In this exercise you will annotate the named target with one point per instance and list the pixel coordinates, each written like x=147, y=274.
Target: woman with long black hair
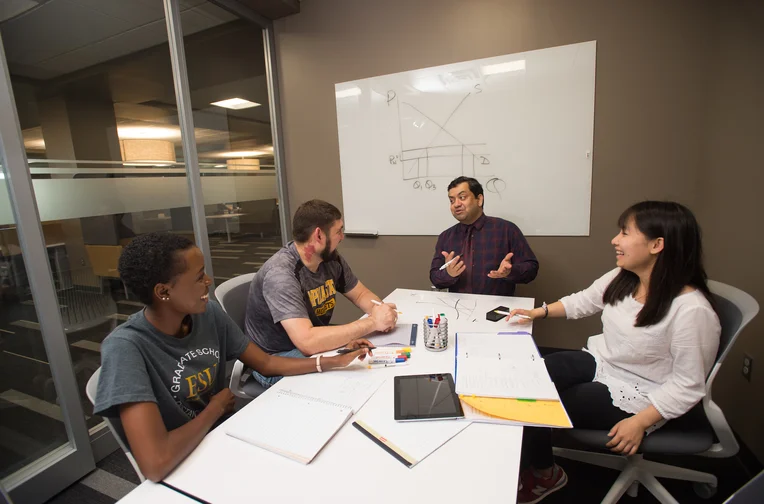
x=660, y=336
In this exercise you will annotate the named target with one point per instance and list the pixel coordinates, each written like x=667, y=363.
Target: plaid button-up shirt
x=492, y=239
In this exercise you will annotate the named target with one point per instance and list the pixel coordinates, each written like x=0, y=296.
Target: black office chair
x=692, y=434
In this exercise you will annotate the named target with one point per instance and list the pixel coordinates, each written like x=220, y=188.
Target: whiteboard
x=522, y=124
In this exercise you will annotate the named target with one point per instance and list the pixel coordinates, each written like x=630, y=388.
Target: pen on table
x=380, y=304
x=348, y=350
x=447, y=263
x=374, y=366
x=501, y=312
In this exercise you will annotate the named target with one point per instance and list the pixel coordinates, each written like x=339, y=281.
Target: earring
x=166, y=298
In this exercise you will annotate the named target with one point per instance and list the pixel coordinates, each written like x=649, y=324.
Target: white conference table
x=226, y=218
x=155, y=493
x=481, y=462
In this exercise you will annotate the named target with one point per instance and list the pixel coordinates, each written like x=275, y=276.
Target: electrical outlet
x=747, y=366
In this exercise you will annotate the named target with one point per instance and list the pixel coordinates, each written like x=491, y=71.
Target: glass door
x=44, y=444
x=99, y=147
x=92, y=156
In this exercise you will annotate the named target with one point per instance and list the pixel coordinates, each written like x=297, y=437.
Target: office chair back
x=114, y=424
x=232, y=295
x=736, y=309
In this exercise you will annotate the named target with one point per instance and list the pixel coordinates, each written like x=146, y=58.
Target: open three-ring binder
x=298, y=421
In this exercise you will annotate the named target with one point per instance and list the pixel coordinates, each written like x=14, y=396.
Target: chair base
x=635, y=471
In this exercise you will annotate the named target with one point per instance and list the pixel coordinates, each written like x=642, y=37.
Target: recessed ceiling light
x=235, y=103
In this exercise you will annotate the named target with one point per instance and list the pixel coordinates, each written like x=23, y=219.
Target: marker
x=393, y=354
x=447, y=263
x=501, y=312
x=380, y=304
x=374, y=366
x=393, y=349
x=386, y=360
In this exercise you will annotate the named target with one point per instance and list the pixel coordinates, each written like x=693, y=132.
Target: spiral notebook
x=290, y=424
x=298, y=421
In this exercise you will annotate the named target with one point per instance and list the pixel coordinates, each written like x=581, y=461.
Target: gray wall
x=664, y=129
x=732, y=206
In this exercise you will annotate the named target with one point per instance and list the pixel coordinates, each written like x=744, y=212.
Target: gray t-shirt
x=284, y=289
x=141, y=364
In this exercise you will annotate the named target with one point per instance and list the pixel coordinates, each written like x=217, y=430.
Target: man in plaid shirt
x=487, y=255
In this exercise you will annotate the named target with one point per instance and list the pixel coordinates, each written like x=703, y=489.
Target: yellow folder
x=550, y=413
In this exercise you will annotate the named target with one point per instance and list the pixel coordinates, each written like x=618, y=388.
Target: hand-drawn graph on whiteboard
x=521, y=124
x=445, y=155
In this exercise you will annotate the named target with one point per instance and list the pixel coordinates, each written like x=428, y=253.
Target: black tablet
x=426, y=397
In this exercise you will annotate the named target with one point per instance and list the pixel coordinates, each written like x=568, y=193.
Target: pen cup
x=435, y=335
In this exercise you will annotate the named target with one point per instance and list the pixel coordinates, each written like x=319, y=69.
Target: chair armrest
x=727, y=445
x=238, y=370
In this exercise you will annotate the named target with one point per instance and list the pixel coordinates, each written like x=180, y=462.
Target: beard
x=326, y=255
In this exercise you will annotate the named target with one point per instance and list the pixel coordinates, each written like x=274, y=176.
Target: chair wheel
x=704, y=490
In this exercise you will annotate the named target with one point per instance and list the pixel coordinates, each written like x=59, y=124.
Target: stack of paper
x=514, y=412
x=501, y=378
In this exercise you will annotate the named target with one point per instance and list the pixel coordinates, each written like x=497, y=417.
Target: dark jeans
x=268, y=381
x=588, y=404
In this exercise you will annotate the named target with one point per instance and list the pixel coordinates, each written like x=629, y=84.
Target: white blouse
x=665, y=364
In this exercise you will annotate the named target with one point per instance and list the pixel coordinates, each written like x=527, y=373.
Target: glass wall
x=229, y=95
x=31, y=422
x=101, y=133
x=94, y=90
